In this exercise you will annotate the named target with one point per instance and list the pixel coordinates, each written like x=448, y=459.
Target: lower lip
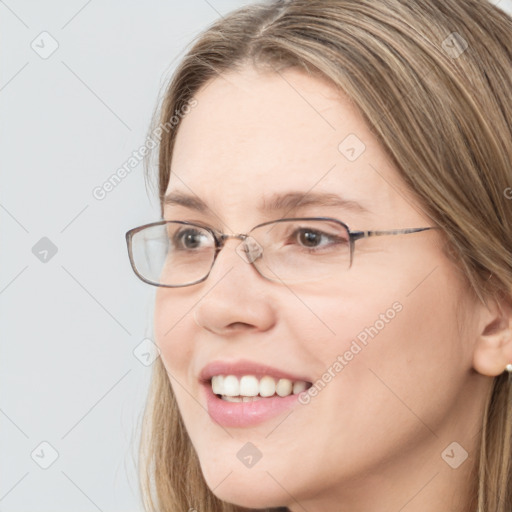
x=246, y=414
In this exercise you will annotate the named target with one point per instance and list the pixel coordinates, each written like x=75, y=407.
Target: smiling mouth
x=249, y=388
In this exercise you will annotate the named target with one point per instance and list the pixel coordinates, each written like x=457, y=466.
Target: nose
x=238, y=297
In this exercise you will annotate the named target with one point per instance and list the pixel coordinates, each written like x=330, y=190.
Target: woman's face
x=396, y=385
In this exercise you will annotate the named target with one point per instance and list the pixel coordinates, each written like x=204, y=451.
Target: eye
x=314, y=238
x=310, y=238
x=190, y=239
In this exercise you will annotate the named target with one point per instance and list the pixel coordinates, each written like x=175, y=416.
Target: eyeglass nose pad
x=249, y=250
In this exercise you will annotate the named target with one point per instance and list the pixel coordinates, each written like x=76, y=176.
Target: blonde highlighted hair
x=433, y=79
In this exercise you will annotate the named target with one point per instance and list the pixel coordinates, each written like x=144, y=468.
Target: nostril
x=240, y=325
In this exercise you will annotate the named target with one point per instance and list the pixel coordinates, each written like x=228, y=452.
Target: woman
x=350, y=351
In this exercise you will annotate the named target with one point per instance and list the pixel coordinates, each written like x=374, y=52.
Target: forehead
x=256, y=122
x=253, y=133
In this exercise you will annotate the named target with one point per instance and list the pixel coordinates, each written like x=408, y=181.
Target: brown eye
x=310, y=238
x=190, y=239
x=316, y=239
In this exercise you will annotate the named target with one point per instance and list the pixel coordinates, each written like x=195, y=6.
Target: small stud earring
x=509, y=368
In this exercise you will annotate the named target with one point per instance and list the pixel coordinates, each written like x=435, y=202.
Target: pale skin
x=373, y=439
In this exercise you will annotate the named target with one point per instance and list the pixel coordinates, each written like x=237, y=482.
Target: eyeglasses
x=178, y=253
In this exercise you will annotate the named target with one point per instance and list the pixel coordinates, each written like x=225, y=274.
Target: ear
x=493, y=348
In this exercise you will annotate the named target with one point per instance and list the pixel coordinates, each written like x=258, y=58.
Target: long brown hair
x=433, y=79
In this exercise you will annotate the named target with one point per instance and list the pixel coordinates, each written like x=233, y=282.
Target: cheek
x=175, y=331
x=174, y=325
x=414, y=361
x=392, y=367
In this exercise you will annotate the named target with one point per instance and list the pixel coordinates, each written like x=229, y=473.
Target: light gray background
x=69, y=326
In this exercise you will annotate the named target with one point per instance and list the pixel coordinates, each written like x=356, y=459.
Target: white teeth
x=248, y=388
x=299, y=386
x=267, y=386
x=249, y=385
x=231, y=386
x=240, y=398
x=284, y=387
x=231, y=398
x=217, y=385
x=250, y=398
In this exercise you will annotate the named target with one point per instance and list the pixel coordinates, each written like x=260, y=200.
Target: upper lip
x=245, y=367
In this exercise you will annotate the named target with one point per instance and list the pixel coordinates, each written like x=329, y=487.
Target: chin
x=250, y=497
x=244, y=487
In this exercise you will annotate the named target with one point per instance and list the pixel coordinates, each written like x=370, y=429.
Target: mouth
x=245, y=400
x=242, y=393
x=251, y=388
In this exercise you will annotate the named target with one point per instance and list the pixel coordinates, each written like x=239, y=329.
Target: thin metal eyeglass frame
x=221, y=238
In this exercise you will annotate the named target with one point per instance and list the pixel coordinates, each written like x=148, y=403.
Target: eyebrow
x=293, y=201
x=185, y=200
x=278, y=203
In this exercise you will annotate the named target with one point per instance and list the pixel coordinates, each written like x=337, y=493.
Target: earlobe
x=492, y=357
x=493, y=349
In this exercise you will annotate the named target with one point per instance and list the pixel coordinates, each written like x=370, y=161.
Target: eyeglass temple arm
x=356, y=235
